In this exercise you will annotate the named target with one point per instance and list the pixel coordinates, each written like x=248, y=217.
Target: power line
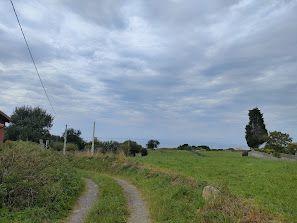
x=32, y=58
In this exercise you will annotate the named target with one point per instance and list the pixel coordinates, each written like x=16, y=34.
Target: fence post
x=93, y=139
x=65, y=141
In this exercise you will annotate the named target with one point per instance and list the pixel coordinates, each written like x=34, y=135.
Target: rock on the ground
x=210, y=192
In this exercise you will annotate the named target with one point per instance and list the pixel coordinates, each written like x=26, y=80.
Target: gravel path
x=84, y=203
x=138, y=209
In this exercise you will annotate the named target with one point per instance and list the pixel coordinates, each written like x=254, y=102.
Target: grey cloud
x=183, y=66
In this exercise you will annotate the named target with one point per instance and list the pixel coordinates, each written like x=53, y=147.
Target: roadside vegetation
x=269, y=184
x=35, y=185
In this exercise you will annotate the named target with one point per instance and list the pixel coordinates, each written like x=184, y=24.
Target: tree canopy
x=28, y=123
x=256, y=133
x=152, y=144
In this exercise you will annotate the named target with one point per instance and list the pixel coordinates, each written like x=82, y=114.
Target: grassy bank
x=111, y=206
x=35, y=185
x=171, y=197
x=272, y=184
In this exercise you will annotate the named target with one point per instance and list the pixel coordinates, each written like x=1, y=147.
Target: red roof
x=4, y=117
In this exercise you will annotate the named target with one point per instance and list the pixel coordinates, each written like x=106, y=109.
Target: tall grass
x=35, y=185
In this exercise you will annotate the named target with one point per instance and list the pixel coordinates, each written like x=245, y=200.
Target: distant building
x=3, y=119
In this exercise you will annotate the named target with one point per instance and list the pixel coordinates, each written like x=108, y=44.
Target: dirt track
x=138, y=209
x=84, y=203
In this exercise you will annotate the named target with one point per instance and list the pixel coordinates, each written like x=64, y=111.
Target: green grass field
x=172, y=197
x=171, y=181
x=271, y=184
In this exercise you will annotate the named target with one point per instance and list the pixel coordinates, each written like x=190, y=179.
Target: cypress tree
x=255, y=132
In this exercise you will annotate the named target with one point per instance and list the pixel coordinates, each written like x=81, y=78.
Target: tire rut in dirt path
x=84, y=203
x=138, y=209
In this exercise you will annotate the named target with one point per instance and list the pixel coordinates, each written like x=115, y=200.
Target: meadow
x=269, y=184
x=171, y=182
x=172, y=197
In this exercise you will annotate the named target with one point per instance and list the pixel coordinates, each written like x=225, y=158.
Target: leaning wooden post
x=65, y=141
x=93, y=139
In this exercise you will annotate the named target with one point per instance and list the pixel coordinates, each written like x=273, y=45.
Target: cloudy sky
x=179, y=71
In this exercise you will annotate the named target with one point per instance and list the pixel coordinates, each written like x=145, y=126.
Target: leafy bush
x=278, y=141
x=131, y=147
x=74, y=136
x=144, y=152
x=189, y=147
x=184, y=147
x=104, y=146
x=292, y=148
x=58, y=146
x=110, y=146
x=267, y=150
x=36, y=185
x=207, y=148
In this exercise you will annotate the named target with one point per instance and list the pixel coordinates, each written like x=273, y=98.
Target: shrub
x=267, y=150
x=58, y=146
x=278, y=141
x=184, y=147
x=292, y=148
x=33, y=179
x=131, y=147
x=144, y=152
x=110, y=146
x=207, y=148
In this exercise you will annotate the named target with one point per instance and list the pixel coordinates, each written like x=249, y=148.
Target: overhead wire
x=32, y=58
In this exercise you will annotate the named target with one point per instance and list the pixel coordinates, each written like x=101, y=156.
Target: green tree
x=74, y=136
x=152, y=144
x=28, y=123
x=255, y=132
x=278, y=141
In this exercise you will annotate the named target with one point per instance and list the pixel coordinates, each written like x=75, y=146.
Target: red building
x=3, y=119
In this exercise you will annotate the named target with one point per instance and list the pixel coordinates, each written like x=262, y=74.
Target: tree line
x=33, y=123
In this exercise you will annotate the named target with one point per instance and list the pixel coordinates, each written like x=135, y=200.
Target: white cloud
x=167, y=68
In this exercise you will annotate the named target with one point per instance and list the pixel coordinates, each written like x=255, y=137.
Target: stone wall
x=262, y=155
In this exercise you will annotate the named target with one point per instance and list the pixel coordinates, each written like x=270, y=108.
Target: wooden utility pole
x=93, y=139
x=65, y=141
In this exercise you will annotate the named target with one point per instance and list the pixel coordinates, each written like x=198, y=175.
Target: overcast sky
x=179, y=71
